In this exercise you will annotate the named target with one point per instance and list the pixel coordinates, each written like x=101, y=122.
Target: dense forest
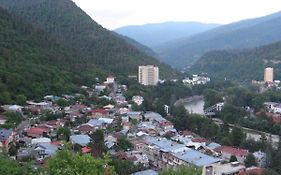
x=94, y=44
x=241, y=65
x=50, y=47
x=32, y=63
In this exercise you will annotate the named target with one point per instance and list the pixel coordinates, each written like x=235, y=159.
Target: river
x=196, y=106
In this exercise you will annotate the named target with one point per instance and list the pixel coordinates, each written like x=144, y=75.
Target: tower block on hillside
x=148, y=75
x=268, y=75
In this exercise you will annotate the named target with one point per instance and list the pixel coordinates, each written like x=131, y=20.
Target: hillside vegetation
x=32, y=63
x=241, y=65
x=53, y=46
x=240, y=35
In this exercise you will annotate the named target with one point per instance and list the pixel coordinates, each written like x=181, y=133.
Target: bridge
x=211, y=111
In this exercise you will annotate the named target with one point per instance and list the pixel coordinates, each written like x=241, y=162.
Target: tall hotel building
x=268, y=75
x=148, y=75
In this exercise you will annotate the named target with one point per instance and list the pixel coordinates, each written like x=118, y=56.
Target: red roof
x=166, y=123
x=232, y=151
x=37, y=130
x=78, y=107
x=86, y=150
x=75, y=113
x=256, y=170
x=275, y=118
x=85, y=128
x=199, y=140
x=56, y=143
x=99, y=111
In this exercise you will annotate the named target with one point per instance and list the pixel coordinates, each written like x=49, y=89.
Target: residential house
x=45, y=150
x=138, y=100
x=260, y=158
x=37, y=132
x=110, y=80
x=146, y=172
x=135, y=115
x=166, y=125
x=97, y=124
x=41, y=140
x=232, y=168
x=100, y=88
x=6, y=137
x=85, y=129
x=2, y=119
x=252, y=170
x=99, y=113
x=190, y=156
x=227, y=151
x=81, y=139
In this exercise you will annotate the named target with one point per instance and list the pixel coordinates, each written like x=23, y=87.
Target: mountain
x=33, y=63
x=244, y=34
x=142, y=48
x=94, y=45
x=241, y=65
x=156, y=34
x=53, y=47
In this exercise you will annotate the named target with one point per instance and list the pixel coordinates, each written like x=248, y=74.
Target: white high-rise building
x=268, y=75
x=148, y=75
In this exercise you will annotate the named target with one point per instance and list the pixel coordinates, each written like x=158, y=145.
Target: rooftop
x=146, y=172
x=196, y=157
x=164, y=144
x=5, y=134
x=82, y=140
x=232, y=150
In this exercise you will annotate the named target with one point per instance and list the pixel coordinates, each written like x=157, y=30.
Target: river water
x=195, y=106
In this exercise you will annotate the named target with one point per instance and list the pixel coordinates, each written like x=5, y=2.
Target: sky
x=112, y=14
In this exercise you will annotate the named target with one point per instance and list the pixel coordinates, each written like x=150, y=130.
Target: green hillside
x=32, y=63
x=241, y=65
x=240, y=35
x=95, y=45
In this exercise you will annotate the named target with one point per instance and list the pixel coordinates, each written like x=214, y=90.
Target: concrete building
x=224, y=169
x=148, y=75
x=268, y=75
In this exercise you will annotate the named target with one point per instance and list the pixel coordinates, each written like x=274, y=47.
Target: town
x=38, y=130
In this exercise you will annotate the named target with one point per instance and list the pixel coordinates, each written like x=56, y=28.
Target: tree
x=211, y=97
x=65, y=163
x=13, y=150
x=11, y=167
x=124, y=144
x=97, y=144
x=250, y=160
x=62, y=102
x=125, y=166
x=21, y=99
x=233, y=158
x=184, y=170
x=237, y=136
x=63, y=133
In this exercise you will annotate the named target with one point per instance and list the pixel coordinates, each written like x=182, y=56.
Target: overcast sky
x=112, y=14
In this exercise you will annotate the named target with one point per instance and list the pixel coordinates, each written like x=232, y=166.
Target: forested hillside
x=241, y=65
x=94, y=44
x=240, y=35
x=32, y=63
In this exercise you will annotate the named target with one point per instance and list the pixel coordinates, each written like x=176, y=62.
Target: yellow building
x=148, y=75
x=268, y=75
